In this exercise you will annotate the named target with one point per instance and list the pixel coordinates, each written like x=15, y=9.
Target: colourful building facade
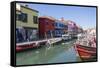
x=46, y=27
x=60, y=28
x=72, y=27
x=50, y=27
x=26, y=24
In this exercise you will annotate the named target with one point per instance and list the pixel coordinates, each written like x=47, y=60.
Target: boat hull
x=86, y=53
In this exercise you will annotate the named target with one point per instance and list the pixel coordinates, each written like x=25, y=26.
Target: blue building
x=59, y=28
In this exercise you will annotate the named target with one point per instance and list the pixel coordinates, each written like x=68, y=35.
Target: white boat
x=66, y=37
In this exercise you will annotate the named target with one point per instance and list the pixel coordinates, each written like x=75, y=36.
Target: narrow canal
x=57, y=53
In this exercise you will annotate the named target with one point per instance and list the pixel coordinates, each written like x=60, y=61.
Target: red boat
x=28, y=45
x=86, y=45
x=25, y=46
x=86, y=52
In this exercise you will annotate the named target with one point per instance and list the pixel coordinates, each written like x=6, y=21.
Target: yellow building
x=26, y=23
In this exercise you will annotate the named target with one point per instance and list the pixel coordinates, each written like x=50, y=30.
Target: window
x=35, y=19
x=21, y=17
x=18, y=17
x=24, y=17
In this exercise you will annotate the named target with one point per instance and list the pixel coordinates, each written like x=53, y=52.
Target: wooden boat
x=86, y=45
x=86, y=52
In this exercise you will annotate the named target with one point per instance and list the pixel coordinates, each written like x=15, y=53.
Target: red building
x=46, y=27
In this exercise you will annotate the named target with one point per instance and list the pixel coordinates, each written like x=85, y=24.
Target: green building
x=26, y=23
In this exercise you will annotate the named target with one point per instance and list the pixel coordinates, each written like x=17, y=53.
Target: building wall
x=59, y=24
x=30, y=13
x=26, y=30
x=46, y=27
x=72, y=28
x=60, y=28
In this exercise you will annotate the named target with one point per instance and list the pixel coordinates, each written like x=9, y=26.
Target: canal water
x=56, y=53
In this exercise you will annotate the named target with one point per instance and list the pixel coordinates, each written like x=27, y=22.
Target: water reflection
x=57, y=53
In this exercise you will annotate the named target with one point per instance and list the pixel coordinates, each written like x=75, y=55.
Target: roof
x=29, y=8
x=48, y=17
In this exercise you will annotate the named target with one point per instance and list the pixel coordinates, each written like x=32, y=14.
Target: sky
x=82, y=16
